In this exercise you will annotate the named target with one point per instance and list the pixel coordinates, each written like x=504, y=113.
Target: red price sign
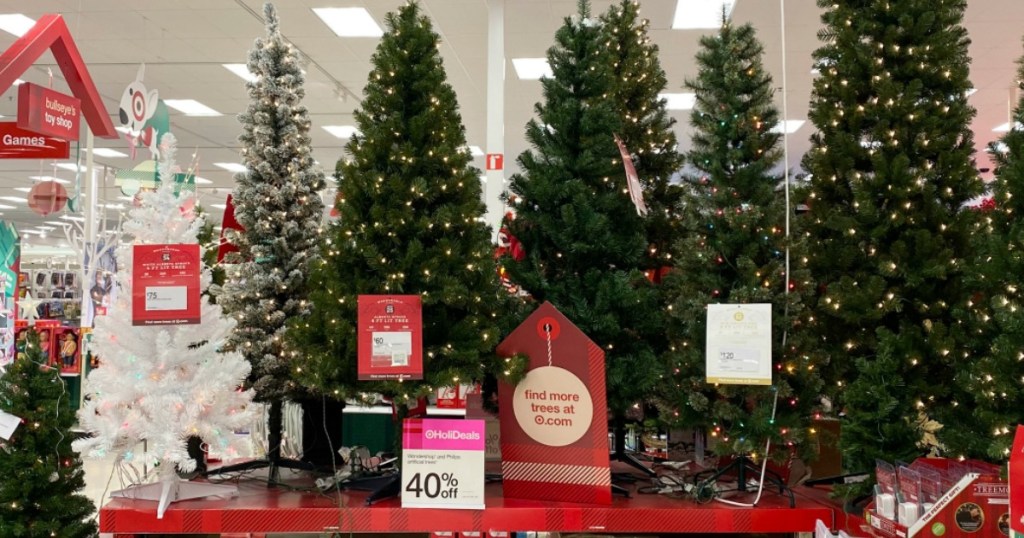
x=165, y=284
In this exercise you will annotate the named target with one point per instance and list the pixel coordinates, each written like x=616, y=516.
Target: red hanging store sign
x=47, y=112
x=17, y=143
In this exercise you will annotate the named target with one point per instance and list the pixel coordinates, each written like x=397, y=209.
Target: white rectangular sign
x=443, y=463
x=8, y=423
x=166, y=298
x=739, y=344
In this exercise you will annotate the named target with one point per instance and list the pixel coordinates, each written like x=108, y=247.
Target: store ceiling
x=185, y=42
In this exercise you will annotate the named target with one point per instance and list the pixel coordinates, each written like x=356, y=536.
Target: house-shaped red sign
x=554, y=423
x=51, y=33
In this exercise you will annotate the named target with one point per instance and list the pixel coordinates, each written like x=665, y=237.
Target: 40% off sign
x=443, y=463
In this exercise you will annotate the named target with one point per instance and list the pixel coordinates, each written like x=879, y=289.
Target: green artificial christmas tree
x=990, y=397
x=42, y=475
x=733, y=251
x=584, y=242
x=647, y=129
x=409, y=223
x=892, y=167
x=277, y=202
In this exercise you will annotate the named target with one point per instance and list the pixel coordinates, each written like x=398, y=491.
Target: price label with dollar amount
x=443, y=463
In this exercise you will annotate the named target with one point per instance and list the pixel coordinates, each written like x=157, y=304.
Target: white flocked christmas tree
x=163, y=384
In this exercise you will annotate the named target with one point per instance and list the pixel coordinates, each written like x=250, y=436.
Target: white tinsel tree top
x=163, y=384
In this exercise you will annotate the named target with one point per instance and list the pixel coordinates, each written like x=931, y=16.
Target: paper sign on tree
x=554, y=432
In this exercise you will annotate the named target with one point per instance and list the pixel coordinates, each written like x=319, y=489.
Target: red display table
x=258, y=509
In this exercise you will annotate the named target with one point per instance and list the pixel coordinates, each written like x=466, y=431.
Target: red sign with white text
x=17, y=143
x=165, y=284
x=495, y=161
x=390, y=337
x=554, y=440
x=47, y=112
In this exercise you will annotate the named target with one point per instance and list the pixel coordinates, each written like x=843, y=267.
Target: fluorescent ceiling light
x=701, y=14
x=219, y=206
x=23, y=189
x=19, y=199
x=123, y=129
x=679, y=101
x=107, y=152
x=127, y=198
x=114, y=206
x=55, y=223
x=241, y=70
x=788, y=126
x=71, y=166
x=71, y=218
x=191, y=107
x=349, y=21
x=45, y=228
x=5, y=206
x=18, y=82
x=1001, y=147
x=16, y=23
x=341, y=131
x=476, y=151
x=202, y=181
x=532, y=68
x=1005, y=128
x=231, y=167
x=970, y=92
x=51, y=178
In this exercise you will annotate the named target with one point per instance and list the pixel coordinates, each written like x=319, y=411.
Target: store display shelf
x=259, y=509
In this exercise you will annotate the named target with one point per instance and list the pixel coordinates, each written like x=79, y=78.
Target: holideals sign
x=17, y=143
x=47, y=112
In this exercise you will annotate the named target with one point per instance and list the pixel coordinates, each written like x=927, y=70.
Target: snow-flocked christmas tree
x=163, y=384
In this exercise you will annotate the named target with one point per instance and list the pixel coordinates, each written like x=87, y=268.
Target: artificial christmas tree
x=647, y=129
x=163, y=383
x=990, y=396
x=892, y=168
x=733, y=250
x=583, y=239
x=408, y=223
x=42, y=476
x=277, y=202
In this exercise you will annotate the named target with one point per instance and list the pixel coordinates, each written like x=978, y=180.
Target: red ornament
x=47, y=197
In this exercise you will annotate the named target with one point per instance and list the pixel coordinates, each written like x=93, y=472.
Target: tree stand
x=170, y=489
x=619, y=450
x=274, y=462
x=743, y=469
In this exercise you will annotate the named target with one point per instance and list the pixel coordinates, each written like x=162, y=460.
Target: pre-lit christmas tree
x=647, y=129
x=584, y=242
x=409, y=224
x=990, y=397
x=892, y=168
x=163, y=384
x=733, y=251
x=42, y=476
x=277, y=201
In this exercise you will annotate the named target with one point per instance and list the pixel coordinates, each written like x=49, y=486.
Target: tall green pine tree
x=409, y=223
x=990, y=397
x=892, y=168
x=733, y=250
x=584, y=242
x=647, y=129
x=40, y=493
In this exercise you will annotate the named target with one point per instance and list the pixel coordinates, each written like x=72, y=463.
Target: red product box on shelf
x=976, y=506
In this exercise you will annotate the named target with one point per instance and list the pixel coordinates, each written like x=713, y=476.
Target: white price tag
x=391, y=349
x=8, y=423
x=739, y=360
x=443, y=465
x=166, y=298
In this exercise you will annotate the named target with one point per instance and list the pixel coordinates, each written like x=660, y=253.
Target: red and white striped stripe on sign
x=550, y=472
